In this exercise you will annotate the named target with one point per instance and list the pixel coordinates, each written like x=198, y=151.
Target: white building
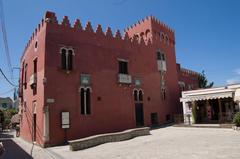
x=212, y=105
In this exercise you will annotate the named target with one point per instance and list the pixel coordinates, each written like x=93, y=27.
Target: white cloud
x=233, y=80
x=236, y=78
x=237, y=71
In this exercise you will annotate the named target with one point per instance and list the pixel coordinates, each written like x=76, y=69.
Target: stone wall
x=104, y=138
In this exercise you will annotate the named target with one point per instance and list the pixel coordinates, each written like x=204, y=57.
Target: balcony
x=124, y=78
x=33, y=79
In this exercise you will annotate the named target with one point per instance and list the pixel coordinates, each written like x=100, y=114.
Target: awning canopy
x=237, y=96
x=192, y=98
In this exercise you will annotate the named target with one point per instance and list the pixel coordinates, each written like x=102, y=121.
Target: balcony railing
x=124, y=78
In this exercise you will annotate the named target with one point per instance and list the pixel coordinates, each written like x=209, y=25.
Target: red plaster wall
x=97, y=55
x=188, y=77
x=28, y=57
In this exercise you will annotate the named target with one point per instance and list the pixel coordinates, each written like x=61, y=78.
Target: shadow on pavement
x=13, y=151
x=3, y=135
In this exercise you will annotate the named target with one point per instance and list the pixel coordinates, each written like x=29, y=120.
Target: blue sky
x=207, y=31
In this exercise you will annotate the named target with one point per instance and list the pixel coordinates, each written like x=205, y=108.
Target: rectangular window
x=34, y=86
x=25, y=76
x=35, y=66
x=163, y=57
x=160, y=56
x=22, y=76
x=34, y=89
x=123, y=67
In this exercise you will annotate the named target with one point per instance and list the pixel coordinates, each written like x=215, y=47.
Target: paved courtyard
x=165, y=143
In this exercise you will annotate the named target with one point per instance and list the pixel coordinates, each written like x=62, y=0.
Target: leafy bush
x=236, y=119
x=5, y=117
x=194, y=114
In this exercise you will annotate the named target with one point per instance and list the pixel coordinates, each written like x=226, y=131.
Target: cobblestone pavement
x=163, y=143
x=166, y=143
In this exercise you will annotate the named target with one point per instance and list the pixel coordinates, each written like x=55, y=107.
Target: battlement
x=150, y=28
x=188, y=72
x=34, y=34
x=154, y=20
x=50, y=18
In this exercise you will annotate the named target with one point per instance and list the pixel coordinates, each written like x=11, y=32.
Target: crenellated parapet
x=34, y=34
x=150, y=28
x=50, y=18
x=188, y=72
x=153, y=19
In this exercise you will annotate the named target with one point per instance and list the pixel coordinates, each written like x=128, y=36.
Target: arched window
x=162, y=37
x=88, y=100
x=136, y=37
x=135, y=93
x=147, y=32
x=82, y=101
x=140, y=95
x=66, y=59
x=167, y=39
x=85, y=95
x=69, y=63
x=63, y=58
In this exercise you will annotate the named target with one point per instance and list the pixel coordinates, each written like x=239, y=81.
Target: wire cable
x=7, y=78
x=4, y=33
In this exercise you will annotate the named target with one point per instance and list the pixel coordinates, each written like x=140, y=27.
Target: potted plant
x=236, y=121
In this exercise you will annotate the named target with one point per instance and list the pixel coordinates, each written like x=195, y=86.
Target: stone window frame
x=85, y=108
x=67, y=68
x=137, y=96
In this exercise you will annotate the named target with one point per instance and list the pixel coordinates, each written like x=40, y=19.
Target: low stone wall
x=104, y=138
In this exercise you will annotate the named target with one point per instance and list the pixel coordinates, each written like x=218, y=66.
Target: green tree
x=8, y=113
x=203, y=82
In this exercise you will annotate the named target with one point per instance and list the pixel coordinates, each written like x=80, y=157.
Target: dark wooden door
x=139, y=114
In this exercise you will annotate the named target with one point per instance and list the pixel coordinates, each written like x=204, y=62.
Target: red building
x=187, y=79
x=78, y=81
